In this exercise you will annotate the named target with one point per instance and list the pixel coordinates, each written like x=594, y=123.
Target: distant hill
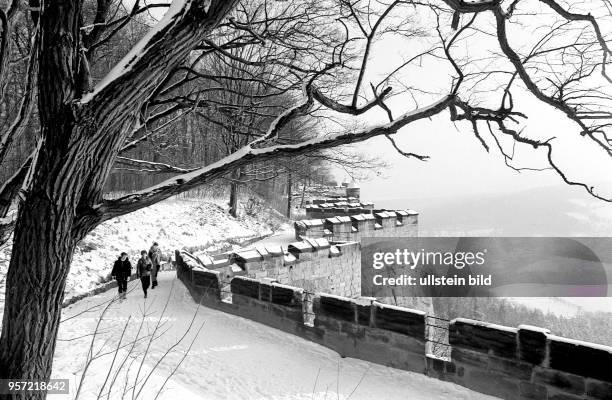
x=546, y=211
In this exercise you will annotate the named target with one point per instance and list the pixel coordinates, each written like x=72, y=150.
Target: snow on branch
x=175, y=11
x=161, y=49
x=246, y=155
x=151, y=166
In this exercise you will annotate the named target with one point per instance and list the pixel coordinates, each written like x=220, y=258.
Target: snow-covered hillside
x=174, y=223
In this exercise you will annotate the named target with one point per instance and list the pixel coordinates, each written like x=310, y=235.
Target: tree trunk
x=289, y=189
x=234, y=188
x=303, y=195
x=35, y=291
x=44, y=240
x=79, y=143
x=49, y=226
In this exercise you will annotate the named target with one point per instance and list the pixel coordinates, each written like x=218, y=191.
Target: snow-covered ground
x=231, y=357
x=174, y=223
x=281, y=238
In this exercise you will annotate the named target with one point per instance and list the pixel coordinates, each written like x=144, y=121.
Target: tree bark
x=289, y=189
x=35, y=282
x=234, y=189
x=44, y=241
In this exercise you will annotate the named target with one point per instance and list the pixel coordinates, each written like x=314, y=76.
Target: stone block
x=399, y=319
x=599, y=390
x=567, y=383
x=265, y=291
x=580, y=358
x=300, y=248
x=492, y=383
x=377, y=336
x=483, y=337
x=287, y=296
x=511, y=368
x=206, y=279
x=471, y=358
x=326, y=323
x=363, y=314
x=564, y=396
x=245, y=287
x=436, y=364
x=408, y=343
x=532, y=344
x=532, y=391
x=337, y=307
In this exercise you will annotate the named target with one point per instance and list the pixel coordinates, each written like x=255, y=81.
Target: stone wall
x=333, y=269
x=332, y=199
x=525, y=363
x=331, y=209
x=400, y=223
x=510, y=363
x=357, y=328
x=312, y=264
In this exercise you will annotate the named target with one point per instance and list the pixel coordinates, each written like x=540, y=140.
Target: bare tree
x=85, y=124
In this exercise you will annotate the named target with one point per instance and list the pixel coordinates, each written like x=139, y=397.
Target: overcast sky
x=459, y=165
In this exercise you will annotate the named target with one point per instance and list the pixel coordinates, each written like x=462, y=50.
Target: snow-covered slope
x=174, y=223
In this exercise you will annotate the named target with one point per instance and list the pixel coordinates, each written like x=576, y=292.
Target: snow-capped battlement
x=353, y=227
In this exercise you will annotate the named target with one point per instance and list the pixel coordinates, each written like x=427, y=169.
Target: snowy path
x=174, y=223
x=232, y=358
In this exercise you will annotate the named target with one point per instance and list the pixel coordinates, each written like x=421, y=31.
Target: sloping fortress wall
x=511, y=363
x=312, y=264
x=384, y=223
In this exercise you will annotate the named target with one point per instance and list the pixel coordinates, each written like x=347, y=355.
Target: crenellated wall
x=326, y=257
x=312, y=264
x=337, y=208
x=333, y=199
x=526, y=363
x=383, y=223
x=510, y=363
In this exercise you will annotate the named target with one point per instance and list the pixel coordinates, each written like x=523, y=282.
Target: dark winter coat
x=143, y=268
x=122, y=270
x=155, y=256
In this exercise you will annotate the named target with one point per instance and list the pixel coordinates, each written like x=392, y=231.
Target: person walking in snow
x=155, y=257
x=122, y=270
x=143, y=271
